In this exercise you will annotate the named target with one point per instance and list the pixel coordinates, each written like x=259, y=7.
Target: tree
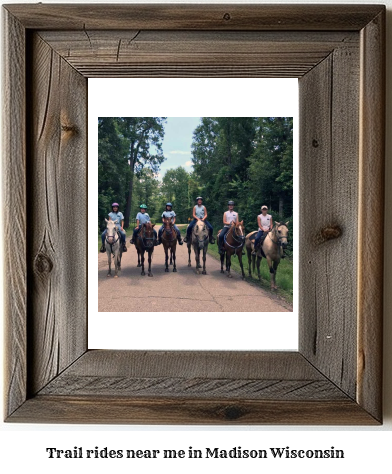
x=175, y=189
x=144, y=137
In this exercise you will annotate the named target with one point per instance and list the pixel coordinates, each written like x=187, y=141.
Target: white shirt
x=230, y=216
x=265, y=221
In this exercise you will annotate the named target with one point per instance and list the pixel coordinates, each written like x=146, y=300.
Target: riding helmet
x=264, y=207
x=143, y=206
x=230, y=203
x=169, y=204
x=199, y=197
x=115, y=204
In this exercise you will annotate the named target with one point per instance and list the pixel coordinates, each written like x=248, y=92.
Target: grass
x=284, y=275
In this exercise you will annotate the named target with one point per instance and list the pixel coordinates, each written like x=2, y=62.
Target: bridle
x=143, y=238
x=169, y=231
x=273, y=231
x=201, y=241
x=113, y=242
x=234, y=235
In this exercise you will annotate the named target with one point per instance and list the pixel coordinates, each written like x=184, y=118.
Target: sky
x=177, y=143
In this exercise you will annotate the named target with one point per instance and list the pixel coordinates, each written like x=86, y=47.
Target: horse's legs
x=138, y=257
x=222, y=257
x=166, y=259
x=116, y=264
x=197, y=258
x=204, y=272
x=173, y=253
x=189, y=255
x=258, y=266
x=272, y=273
x=109, y=254
x=240, y=260
x=142, y=261
x=228, y=264
x=249, y=252
x=149, y=263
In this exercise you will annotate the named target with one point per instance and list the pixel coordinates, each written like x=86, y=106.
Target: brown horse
x=233, y=244
x=272, y=247
x=169, y=241
x=145, y=243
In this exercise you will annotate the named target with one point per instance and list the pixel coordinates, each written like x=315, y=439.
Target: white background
x=188, y=98
x=367, y=449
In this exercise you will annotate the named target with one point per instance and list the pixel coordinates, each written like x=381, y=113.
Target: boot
x=124, y=248
x=185, y=239
x=180, y=241
x=212, y=240
x=102, y=249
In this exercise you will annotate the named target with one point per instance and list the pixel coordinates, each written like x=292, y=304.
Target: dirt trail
x=181, y=291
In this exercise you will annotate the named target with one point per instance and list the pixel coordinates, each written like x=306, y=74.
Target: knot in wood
x=232, y=413
x=69, y=128
x=328, y=233
x=43, y=264
x=315, y=143
x=227, y=16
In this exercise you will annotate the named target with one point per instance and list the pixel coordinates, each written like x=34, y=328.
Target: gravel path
x=181, y=291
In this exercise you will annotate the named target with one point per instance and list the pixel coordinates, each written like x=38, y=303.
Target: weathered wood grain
x=57, y=237
x=195, y=17
x=371, y=196
x=336, y=377
x=97, y=409
x=329, y=98
x=14, y=197
x=194, y=53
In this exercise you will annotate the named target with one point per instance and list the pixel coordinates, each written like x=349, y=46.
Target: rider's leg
x=189, y=230
x=134, y=235
x=123, y=240
x=103, y=235
x=178, y=234
x=210, y=230
x=155, y=237
x=221, y=240
x=160, y=234
x=257, y=241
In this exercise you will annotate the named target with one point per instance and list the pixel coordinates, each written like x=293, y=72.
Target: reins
x=112, y=243
x=233, y=235
x=143, y=238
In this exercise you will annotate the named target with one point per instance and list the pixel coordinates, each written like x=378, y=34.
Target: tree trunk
x=129, y=201
x=281, y=202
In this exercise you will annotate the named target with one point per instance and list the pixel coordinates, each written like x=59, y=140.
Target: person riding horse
x=142, y=218
x=115, y=215
x=169, y=214
x=199, y=214
x=264, y=221
x=228, y=217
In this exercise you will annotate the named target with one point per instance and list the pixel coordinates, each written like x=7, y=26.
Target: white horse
x=199, y=241
x=113, y=247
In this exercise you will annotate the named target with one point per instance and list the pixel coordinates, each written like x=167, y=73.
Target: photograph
x=203, y=206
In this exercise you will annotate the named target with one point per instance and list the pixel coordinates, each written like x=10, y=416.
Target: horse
x=113, y=247
x=169, y=241
x=199, y=241
x=233, y=244
x=272, y=248
x=145, y=243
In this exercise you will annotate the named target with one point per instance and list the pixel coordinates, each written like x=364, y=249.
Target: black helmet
x=230, y=203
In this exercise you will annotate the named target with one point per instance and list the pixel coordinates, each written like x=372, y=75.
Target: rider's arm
x=206, y=214
x=174, y=219
x=122, y=224
x=224, y=222
x=137, y=222
x=259, y=223
x=194, y=213
x=271, y=224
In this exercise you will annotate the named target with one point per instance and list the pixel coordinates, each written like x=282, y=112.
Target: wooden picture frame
x=337, y=52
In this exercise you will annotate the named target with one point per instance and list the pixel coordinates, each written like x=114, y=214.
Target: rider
x=199, y=214
x=264, y=221
x=170, y=214
x=228, y=217
x=115, y=215
x=142, y=218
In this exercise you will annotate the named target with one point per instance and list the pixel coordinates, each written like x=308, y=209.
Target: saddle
x=252, y=238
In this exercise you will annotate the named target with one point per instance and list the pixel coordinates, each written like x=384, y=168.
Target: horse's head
x=282, y=233
x=167, y=223
x=111, y=230
x=148, y=234
x=201, y=233
x=239, y=230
